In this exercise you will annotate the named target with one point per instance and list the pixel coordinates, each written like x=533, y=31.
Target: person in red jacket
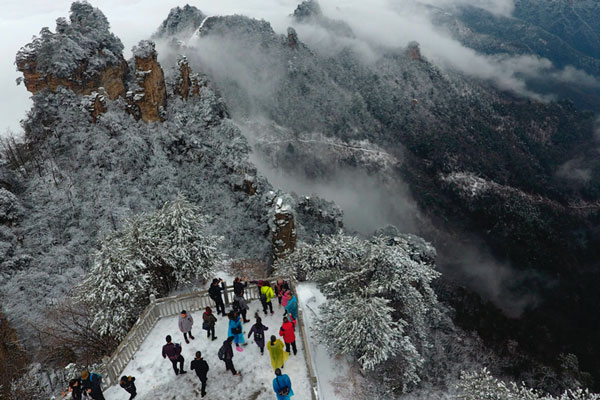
x=287, y=331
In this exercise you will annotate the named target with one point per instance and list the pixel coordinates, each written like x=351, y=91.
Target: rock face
x=96, y=105
x=13, y=359
x=292, y=38
x=82, y=55
x=281, y=222
x=111, y=79
x=187, y=83
x=149, y=99
x=414, y=51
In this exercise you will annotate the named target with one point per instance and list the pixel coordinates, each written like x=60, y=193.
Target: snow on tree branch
x=381, y=303
x=152, y=255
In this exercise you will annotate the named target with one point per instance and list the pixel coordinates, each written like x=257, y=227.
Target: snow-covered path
x=335, y=378
x=156, y=380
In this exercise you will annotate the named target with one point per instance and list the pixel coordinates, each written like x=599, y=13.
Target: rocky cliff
x=82, y=55
x=149, y=96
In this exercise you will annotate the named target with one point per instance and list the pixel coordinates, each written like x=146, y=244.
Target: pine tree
x=361, y=326
x=380, y=300
x=116, y=289
x=153, y=254
x=179, y=230
x=483, y=386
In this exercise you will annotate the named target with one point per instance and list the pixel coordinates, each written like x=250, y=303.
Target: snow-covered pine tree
x=319, y=260
x=178, y=229
x=152, y=255
x=116, y=289
x=483, y=386
x=381, y=306
x=362, y=326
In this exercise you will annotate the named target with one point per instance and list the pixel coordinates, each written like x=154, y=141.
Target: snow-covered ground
x=336, y=380
x=156, y=380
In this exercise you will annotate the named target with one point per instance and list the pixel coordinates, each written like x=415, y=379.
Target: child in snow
x=266, y=294
x=235, y=329
x=292, y=306
x=258, y=329
x=201, y=367
x=278, y=356
x=127, y=383
x=287, y=331
x=173, y=351
x=185, y=325
x=209, y=323
x=282, y=386
x=226, y=354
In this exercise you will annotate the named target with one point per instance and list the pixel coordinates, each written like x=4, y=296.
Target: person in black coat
x=127, y=383
x=215, y=293
x=258, y=329
x=229, y=356
x=239, y=284
x=201, y=367
x=91, y=384
x=75, y=389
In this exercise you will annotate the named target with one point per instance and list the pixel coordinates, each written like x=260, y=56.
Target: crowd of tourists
x=88, y=385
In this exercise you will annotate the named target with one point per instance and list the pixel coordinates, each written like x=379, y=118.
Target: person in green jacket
x=266, y=294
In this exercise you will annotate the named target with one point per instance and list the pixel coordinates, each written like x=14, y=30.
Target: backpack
x=98, y=378
x=283, y=391
x=221, y=353
x=237, y=307
x=263, y=295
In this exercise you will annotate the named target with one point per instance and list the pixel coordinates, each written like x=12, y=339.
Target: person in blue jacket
x=235, y=329
x=282, y=386
x=292, y=306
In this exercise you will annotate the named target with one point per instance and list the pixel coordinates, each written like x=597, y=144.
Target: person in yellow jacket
x=277, y=353
x=266, y=294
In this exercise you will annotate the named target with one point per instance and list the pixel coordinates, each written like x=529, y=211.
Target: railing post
x=110, y=371
x=225, y=295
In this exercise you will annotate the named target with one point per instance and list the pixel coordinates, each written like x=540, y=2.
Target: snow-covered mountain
x=245, y=122
x=323, y=110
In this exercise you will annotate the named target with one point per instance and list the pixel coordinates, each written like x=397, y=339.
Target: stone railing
x=172, y=305
x=312, y=378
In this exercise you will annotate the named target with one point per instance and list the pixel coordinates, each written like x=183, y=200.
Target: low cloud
x=575, y=170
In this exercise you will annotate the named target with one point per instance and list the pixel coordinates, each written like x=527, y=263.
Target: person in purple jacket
x=258, y=329
x=173, y=351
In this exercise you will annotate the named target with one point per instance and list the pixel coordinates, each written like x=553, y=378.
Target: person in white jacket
x=185, y=325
